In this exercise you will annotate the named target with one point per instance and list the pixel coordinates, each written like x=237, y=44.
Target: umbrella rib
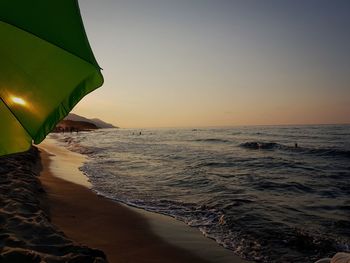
x=33, y=34
x=14, y=115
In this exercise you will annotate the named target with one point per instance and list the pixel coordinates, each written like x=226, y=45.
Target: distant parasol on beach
x=46, y=68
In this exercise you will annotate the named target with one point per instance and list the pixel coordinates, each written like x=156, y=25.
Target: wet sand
x=26, y=232
x=125, y=234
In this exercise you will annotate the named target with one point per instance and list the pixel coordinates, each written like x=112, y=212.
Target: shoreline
x=124, y=233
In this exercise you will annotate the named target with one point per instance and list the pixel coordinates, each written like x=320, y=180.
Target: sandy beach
x=125, y=234
x=26, y=231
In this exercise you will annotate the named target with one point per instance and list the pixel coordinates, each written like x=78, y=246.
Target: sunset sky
x=189, y=63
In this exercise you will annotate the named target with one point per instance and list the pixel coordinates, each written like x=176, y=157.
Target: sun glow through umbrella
x=18, y=100
x=46, y=68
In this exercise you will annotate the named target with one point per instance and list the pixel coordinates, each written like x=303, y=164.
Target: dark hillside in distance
x=74, y=126
x=99, y=123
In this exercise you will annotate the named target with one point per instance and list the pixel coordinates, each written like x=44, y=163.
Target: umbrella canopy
x=46, y=68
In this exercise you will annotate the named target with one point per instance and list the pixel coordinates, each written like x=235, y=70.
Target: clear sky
x=178, y=63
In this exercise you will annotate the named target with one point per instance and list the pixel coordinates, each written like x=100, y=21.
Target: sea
x=268, y=193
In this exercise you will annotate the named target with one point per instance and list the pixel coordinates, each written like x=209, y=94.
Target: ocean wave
x=257, y=145
x=286, y=186
x=327, y=152
x=73, y=144
x=217, y=140
x=218, y=164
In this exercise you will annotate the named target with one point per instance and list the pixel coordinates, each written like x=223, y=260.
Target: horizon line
x=231, y=126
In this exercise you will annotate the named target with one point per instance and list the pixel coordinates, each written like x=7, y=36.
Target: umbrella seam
x=16, y=117
x=33, y=34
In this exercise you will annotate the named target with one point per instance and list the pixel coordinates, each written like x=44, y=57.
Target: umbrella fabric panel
x=46, y=67
x=13, y=137
x=41, y=82
x=56, y=21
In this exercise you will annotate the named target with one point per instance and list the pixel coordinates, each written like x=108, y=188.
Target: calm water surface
x=249, y=188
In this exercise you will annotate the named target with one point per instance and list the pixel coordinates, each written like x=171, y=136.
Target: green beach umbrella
x=46, y=68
